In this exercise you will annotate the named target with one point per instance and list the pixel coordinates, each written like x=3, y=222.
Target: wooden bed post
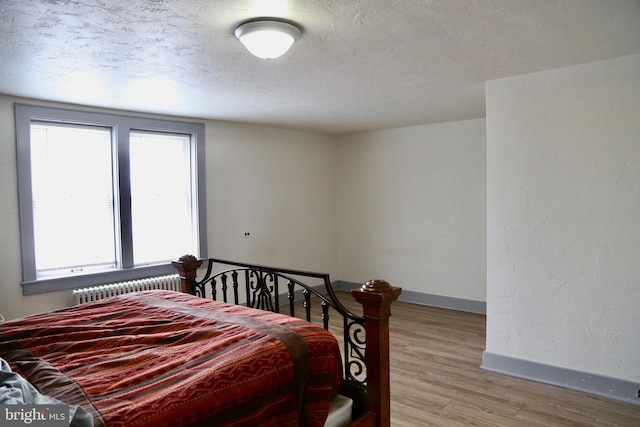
x=376, y=297
x=187, y=266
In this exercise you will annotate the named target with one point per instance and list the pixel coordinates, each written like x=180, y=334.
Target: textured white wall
x=563, y=187
x=278, y=185
x=412, y=208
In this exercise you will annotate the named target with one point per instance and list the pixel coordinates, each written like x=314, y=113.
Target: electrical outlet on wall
x=247, y=234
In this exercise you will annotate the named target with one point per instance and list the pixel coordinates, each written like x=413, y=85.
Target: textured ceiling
x=359, y=65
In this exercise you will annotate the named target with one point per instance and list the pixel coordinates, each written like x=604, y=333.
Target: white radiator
x=170, y=282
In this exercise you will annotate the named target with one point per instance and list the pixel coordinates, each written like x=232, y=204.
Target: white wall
x=277, y=184
x=412, y=208
x=563, y=185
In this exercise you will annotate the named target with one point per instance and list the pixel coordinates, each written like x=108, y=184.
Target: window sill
x=80, y=281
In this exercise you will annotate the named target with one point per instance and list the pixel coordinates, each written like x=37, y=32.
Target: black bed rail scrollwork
x=272, y=289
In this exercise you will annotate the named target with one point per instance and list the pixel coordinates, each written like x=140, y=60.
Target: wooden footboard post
x=376, y=297
x=187, y=266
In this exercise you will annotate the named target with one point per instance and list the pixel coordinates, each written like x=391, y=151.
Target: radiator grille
x=169, y=282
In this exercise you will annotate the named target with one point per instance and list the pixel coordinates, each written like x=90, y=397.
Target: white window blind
x=73, y=198
x=162, y=208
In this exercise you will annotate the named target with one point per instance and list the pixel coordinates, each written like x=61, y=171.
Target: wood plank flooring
x=436, y=379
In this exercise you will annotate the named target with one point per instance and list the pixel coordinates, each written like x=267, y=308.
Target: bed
x=219, y=353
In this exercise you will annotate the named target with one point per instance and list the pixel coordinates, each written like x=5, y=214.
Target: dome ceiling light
x=266, y=38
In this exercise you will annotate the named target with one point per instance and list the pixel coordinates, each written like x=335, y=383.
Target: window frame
x=121, y=125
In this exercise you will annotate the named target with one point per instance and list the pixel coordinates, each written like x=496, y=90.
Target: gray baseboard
x=342, y=285
x=460, y=304
x=613, y=388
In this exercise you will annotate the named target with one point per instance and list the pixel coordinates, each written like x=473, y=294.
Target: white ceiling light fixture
x=266, y=38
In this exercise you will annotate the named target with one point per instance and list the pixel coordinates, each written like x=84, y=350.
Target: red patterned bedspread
x=161, y=358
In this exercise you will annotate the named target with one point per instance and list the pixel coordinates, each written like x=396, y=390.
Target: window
x=106, y=197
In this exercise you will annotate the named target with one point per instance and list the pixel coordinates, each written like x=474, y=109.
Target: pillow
x=15, y=390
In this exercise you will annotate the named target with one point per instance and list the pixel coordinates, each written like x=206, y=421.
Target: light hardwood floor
x=436, y=379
